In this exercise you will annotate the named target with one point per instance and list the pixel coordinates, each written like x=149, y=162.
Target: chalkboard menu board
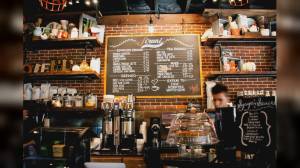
x=255, y=120
x=153, y=66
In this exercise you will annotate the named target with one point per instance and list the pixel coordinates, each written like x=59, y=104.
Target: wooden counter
x=130, y=161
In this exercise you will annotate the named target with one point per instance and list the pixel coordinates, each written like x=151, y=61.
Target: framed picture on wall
x=85, y=23
x=229, y=63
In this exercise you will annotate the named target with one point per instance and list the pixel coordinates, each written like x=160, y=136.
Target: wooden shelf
x=80, y=131
x=214, y=75
x=62, y=75
x=33, y=104
x=239, y=39
x=75, y=110
x=36, y=44
x=247, y=12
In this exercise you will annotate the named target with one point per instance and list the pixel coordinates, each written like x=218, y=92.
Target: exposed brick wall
x=261, y=55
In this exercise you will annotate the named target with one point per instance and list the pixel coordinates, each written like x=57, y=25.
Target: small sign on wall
x=255, y=121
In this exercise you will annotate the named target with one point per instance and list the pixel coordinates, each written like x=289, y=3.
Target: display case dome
x=192, y=131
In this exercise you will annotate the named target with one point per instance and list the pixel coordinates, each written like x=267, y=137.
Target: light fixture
x=95, y=2
x=87, y=2
x=70, y=2
x=150, y=26
x=53, y=5
x=77, y=1
x=238, y=2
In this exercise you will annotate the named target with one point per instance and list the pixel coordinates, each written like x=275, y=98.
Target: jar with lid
x=90, y=100
x=78, y=100
x=56, y=100
x=68, y=100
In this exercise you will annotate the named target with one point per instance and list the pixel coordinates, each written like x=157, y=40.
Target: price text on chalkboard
x=153, y=66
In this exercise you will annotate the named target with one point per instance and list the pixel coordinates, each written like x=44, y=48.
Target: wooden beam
x=144, y=19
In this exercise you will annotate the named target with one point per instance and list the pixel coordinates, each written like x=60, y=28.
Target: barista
x=220, y=96
x=227, y=150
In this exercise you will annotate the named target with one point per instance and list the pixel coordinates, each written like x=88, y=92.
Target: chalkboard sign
x=255, y=120
x=153, y=66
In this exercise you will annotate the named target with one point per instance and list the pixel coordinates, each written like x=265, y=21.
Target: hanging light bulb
x=77, y=1
x=95, y=2
x=150, y=26
x=70, y=2
x=87, y=2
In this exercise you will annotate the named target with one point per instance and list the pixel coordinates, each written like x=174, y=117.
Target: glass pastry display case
x=191, y=132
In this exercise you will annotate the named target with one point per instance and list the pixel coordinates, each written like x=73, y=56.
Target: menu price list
x=165, y=69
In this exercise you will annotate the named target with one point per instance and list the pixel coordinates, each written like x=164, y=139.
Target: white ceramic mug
x=54, y=31
x=265, y=32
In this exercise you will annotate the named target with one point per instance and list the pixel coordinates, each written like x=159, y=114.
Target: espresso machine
x=108, y=137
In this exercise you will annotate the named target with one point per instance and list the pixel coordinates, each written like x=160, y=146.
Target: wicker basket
x=53, y=5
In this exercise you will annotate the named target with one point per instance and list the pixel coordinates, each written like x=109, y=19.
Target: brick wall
x=261, y=55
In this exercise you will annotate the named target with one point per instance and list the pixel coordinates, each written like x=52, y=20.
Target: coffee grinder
x=117, y=126
x=108, y=137
x=128, y=125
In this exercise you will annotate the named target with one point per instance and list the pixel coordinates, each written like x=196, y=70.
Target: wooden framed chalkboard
x=256, y=123
x=153, y=66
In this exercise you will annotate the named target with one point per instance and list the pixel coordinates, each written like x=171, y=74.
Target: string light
x=77, y=1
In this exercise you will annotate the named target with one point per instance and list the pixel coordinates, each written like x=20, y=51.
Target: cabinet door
x=134, y=162
x=106, y=159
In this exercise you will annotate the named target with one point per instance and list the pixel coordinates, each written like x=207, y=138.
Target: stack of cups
x=140, y=142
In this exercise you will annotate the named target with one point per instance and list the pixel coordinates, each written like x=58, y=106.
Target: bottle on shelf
x=47, y=120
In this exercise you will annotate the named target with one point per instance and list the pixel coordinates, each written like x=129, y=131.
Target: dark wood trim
x=37, y=44
x=62, y=75
x=250, y=37
x=213, y=75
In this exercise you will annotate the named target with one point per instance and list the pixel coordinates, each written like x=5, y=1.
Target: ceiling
x=117, y=7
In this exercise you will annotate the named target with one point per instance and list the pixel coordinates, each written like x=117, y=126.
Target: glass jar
x=78, y=100
x=68, y=100
x=91, y=100
x=56, y=100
